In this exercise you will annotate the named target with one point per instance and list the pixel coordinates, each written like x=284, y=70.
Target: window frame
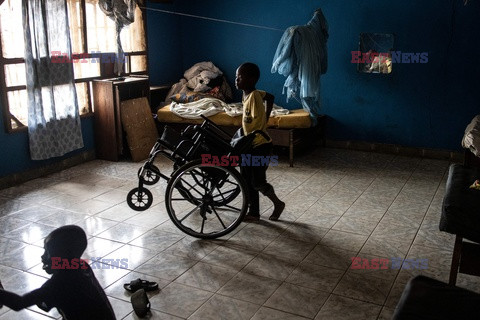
x=8, y=117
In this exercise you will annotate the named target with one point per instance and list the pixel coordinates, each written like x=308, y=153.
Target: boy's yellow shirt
x=254, y=117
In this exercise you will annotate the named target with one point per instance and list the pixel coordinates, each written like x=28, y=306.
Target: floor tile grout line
x=411, y=245
x=429, y=206
x=279, y=235
x=352, y=205
x=258, y=253
x=274, y=240
x=350, y=298
x=400, y=191
x=344, y=273
x=371, y=234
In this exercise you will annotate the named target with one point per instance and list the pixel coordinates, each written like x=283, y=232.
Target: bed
x=292, y=130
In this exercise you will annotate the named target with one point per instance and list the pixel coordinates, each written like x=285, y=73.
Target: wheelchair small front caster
x=139, y=199
x=150, y=175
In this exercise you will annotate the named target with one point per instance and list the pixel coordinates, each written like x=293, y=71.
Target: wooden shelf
x=107, y=95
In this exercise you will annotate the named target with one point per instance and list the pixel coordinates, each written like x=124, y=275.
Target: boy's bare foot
x=277, y=211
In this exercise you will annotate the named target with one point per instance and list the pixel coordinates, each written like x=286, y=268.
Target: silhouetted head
x=66, y=242
x=247, y=76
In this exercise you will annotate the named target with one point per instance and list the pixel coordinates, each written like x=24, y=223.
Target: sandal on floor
x=135, y=285
x=140, y=303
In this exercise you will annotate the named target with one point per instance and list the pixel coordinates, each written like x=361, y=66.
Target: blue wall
x=420, y=105
x=164, y=47
x=164, y=44
x=15, y=154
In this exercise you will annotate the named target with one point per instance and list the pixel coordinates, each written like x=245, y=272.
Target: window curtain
x=54, y=126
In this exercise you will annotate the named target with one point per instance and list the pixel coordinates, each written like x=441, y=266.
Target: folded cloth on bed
x=211, y=106
x=236, y=109
x=295, y=119
x=192, y=110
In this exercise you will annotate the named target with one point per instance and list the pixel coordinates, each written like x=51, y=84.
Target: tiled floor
x=340, y=204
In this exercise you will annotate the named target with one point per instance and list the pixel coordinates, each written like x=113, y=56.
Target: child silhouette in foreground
x=73, y=288
x=255, y=117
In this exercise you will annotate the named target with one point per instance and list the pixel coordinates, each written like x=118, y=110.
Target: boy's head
x=247, y=76
x=66, y=242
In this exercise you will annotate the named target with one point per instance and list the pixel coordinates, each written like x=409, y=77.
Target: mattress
x=298, y=118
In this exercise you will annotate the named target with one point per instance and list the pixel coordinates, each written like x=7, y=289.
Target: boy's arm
x=16, y=302
x=269, y=98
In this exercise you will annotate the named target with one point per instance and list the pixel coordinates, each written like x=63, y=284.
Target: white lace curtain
x=54, y=125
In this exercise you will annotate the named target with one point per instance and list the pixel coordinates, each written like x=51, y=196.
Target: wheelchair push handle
x=209, y=121
x=262, y=133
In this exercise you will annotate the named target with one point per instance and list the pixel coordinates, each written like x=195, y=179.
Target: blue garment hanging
x=301, y=56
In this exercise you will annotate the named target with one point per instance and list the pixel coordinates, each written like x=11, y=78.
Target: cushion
x=426, y=298
x=471, y=138
x=461, y=205
x=295, y=119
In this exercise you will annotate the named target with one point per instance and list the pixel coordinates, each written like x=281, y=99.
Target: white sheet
x=211, y=106
x=192, y=110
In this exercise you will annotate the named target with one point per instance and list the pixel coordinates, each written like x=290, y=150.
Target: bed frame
x=291, y=138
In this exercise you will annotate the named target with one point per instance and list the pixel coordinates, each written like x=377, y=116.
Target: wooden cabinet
x=107, y=95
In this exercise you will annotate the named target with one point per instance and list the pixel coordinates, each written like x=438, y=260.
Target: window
x=92, y=34
x=374, y=55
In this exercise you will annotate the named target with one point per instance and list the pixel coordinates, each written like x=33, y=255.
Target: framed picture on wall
x=375, y=53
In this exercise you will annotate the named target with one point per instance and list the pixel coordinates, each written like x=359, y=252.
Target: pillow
x=188, y=96
x=471, y=139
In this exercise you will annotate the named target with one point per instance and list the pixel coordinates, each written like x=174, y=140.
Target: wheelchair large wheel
x=199, y=199
x=222, y=198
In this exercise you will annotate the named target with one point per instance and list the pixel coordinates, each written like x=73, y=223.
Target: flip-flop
x=140, y=303
x=135, y=285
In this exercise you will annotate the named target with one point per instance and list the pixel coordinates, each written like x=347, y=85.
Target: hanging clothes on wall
x=301, y=56
x=123, y=13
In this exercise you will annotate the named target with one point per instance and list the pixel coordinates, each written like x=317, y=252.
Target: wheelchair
x=202, y=200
